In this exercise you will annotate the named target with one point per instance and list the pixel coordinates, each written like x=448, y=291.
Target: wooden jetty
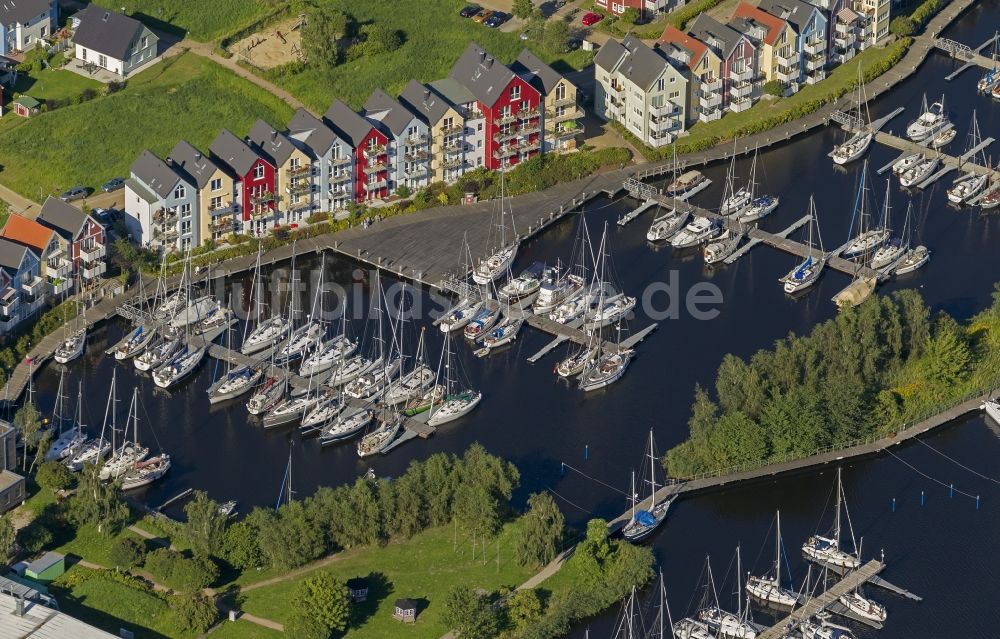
x=973, y=56
x=950, y=162
x=636, y=212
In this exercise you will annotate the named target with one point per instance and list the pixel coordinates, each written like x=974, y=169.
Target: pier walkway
x=973, y=56
x=820, y=602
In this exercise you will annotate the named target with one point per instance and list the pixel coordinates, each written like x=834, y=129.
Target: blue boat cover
x=645, y=518
x=801, y=271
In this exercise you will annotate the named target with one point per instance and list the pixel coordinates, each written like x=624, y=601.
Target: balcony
x=94, y=270
x=741, y=90
x=10, y=301
x=300, y=170
x=417, y=139
x=34, y=286
x=561, y=102
x=417, y=156
x=165, y=215
x=787, y=58
x=843, y=28
x=710, y=84
x=224, y=224
x=815, y=47
x=416, y=173
x=299, y=187
x=566, y=114
x=508, y=118
x=375, y=151
x=341, y=161
x=58, y=267
x=528, y=147
x=375, y=185
x=224, y=208
x=452, y=163
x=503, y=136
x=375, y=167
x=814, y=63
x=303, y=203
x=662, y=110
x=340, y=194
x=58, y=286
x=505, y=152
x=844, y=41
x=567, y=132
x=454, y=129
x=451, y=148
x=339, y=178
x=660, y=140
x=744, y=75
x=93, y=253
x=262, y=214
x=817, y=76
x=531, y=112
x=662, y=124
x=736, y=106
x=710, y=100
x=786, y=74
x=264, y=198
x=710, y=115
x=616, y=89
x=528, y=129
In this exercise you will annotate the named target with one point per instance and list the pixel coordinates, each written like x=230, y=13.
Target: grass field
x=435, y=37
x=424, y=568
x=54, y=84
x=183, y=97
x=199, y=19
x=244, y=630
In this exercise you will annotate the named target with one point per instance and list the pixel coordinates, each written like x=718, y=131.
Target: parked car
x=113, y=185
x=574, y=43
x=75, y=193
x=591, y=18
x=482, y=16
x=498, y=18
x=470, y=11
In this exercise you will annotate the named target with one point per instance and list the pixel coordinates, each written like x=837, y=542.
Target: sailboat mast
x=836, y=524
x=633, y=495
x=739, y=598
x=652, y=471
x=777, y=551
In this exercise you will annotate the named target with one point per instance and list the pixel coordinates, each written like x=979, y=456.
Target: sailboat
x=94, y=450
x=723, y=246
x=235, y=382
x=330, y=352
x=666, y=225
x=869, y=237
x=180, y=366
x=734, y=201
x=500, y=251
x=630, y=624
x=136, y=342
x=864, y=607
x=826, y=551
x=388, y=361
x=970, y=184
x=913, y=258
x=270, y=392
x=931, y=120
x=124, y=457
x=768, y=588
x=897, y=246
x=303, y=339
x=760, y=205
x=808, y=271
x=991, y=78
x=174, y=303
x=145, y=472
x=347, y=424
x=611, y=360
x=267, y=332
x=67, y=439
x=488, y=315
x=157, y=353
x=521, y=291
x=73, y=342
x=381, y=438
x=857, y=144
x=413, y=384
x=459, y=397
x=644, y=521
x=722, y=622
x=819, y=627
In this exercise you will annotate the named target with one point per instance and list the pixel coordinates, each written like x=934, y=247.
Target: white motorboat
x=864, y=607
x=157, y=354
x=914, y=259
x=328, y=355
x=722, y=247
x=576, y=306
x=667, y=225
x=930, y=121
x=944, y=138
x=460, y=315
x=612, y=310
x=177, y=369
x=267, y=396
x=267, y=334
x=521, y=291
x=135, y=343
x=195, y=312
x=482, y=322
x=967, y=187
x=644, y=521
x=826, y=551
x=345, y=426
x=554, y=290
x=607, y=369
x=701, y=229
x=992, y=408
x=687, y=185
x=146, y=472
x=853, y=148
x=236, y=382
x=915, y=175
x=379, y=439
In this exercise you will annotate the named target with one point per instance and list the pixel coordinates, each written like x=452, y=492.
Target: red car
x=590, y=18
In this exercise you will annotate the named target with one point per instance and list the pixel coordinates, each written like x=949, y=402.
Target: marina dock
x=950, y=162
x=973, y=56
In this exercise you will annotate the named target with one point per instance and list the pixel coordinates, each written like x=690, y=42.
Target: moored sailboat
x=826, y=551
x=645, y=521
x=805, y=274
x=768, y=588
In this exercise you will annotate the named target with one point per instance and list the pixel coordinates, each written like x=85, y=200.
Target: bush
x=925, y=12
x=317, y=217
x=126, y=552
x=193, y=612
x=176, y=571
x=378, y=39
x=774, y=87
x=690, y=11
x=54, y=476
x=902, y=26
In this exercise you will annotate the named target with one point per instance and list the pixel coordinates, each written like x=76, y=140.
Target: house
x=510, y=105
x=849, y=35
x=84, y=236
x=640, y=88
x=46, y=568
x=160, y=204
x=467, y=147
x=446, y=124
x=332, y=160
x=113, y=41
x=21, y=618
x=776, y=44
x=406, y=610
x=644, y=7
x=216, y=214
x=8, y=446
x=25, y=23
x=25, y=106
x=357, y=587
x=369, y=151
x=740, y=73
x=256, y=179
x=810, y=25
x=561, y=112
x=58, y=268
x=22, y=289
x=705, y=85
x=408, y=154
x=293, y=183
x=877, y=15
x=12, y=487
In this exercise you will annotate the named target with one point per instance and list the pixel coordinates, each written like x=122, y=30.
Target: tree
x=541, y=531
x=28, y=422
x=97, y=503
x=193, y=612
x=54, y=476
x=629, y=16
x=524, y=607
x=470, y=615
x=947, y=356
x=324, y=601
x=205, y=525
x=303, y=627
x=379, y=38
x=522, y=8
x=126, y=552
x=556, y=36
x=240, y=546
x=774, y=87
x=324, y=26
x=902, y=26
x=7, y=537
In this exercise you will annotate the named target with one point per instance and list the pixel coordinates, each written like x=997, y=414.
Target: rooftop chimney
x=19, y=606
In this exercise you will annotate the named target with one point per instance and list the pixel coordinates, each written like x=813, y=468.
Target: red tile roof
x=26, y=232
x=697, y=48
x=774, y=24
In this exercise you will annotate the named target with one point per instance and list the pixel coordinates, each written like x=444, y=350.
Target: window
x=186, y=226
x=216, y=202
x=515, y=92
x=180, y=192
x=561, y=92
x=294, y=163
x=660, y=84
x=479, y=144
x=216, y=184
x=258, y=172
x=144, y=42
x=480, y=127
x=83, y=54
x=479, y=161
x=102, y=61
x=185, y=210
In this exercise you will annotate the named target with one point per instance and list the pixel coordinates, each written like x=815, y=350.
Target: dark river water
x=942, y=550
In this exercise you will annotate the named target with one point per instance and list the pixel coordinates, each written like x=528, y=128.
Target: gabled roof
x=157, y=175
x=27, y=232
x=425, y=103
x=694, y=47
x=45, y=562
x=771, y=24
x=538, y=74
x=722, y=38
x=12, y=256
x=406, y=604
x=65, y=219
x=106, y=31
x=234, y=152
x=453, y=91
x=22, y=11
x=847, y=15
x=610, y=54
x=794, y=12
x=312, y=132
x=482, y=74
x=349, y=125
x=642, y=65
x=195, y=167
x=270, y=142
x=394, y=116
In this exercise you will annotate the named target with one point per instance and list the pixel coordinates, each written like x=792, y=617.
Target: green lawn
x=199, y=19
x=53, y=84
x=244, y=630
x=111, y=605
x=91, y=545
x=435, y=37
x=424, y=568
x=182, y=97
